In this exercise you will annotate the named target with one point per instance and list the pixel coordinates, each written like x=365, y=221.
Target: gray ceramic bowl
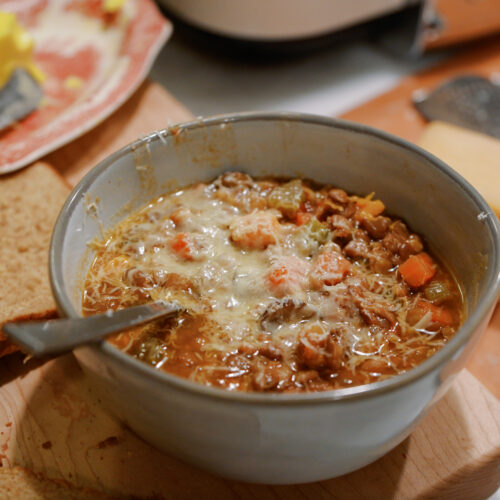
x=280, y=438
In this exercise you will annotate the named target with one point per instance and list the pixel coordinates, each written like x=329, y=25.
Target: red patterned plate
x=93, y=61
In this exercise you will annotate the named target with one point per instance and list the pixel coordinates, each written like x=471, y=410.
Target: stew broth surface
x=289, y=287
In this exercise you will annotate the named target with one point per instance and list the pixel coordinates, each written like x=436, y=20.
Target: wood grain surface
x=51, y=422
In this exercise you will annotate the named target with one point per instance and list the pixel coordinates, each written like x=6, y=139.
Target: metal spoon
x=61, y=335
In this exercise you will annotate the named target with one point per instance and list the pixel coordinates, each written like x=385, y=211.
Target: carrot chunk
x=278, y=276
x=255, y=231
x=440, y=315
x=367, y=208
x=287, y=276
x=303, y=218
x=418, y=269
x=182, y=245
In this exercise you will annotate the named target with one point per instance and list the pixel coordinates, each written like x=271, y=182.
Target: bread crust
x=30, y=201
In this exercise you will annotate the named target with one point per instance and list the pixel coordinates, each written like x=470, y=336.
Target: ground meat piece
x=334, y=352
x=318, y=349
x=411, y=246
x=359, y=246
x=326, y=209
x=376, y=226
x=342, y=228
x=401, y=243
x=374, y=309
x=284, y=311
x=271, y=351
x=247, y=349
x=396, y=235
x=304, y=377
x=338, y=196
x=140, y=295
x=350, y=209
x=380, y=258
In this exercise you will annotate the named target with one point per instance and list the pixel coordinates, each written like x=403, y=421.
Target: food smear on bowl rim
x=289, y=286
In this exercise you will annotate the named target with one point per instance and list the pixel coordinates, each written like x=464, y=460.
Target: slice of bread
x=18, y=483
x=30, y=201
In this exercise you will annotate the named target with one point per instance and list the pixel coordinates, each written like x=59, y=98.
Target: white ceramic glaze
x=275, y=438
x=279, y=20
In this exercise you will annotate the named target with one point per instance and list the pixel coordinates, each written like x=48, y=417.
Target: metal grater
x=468, y=101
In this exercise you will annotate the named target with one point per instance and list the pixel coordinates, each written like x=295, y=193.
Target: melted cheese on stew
x=288, y=287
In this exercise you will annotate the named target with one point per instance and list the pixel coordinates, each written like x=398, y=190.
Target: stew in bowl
x=289, y=286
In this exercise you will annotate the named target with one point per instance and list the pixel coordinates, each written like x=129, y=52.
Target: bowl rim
x=485, y=305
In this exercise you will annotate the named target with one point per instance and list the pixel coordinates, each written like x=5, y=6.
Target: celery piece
x=317, y=231
x=437, y=292
x=287, y=198
x=312, y=235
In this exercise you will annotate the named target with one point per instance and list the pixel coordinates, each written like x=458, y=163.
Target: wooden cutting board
x=51, y=423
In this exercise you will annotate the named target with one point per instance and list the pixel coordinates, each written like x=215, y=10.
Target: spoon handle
x=60, y=335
